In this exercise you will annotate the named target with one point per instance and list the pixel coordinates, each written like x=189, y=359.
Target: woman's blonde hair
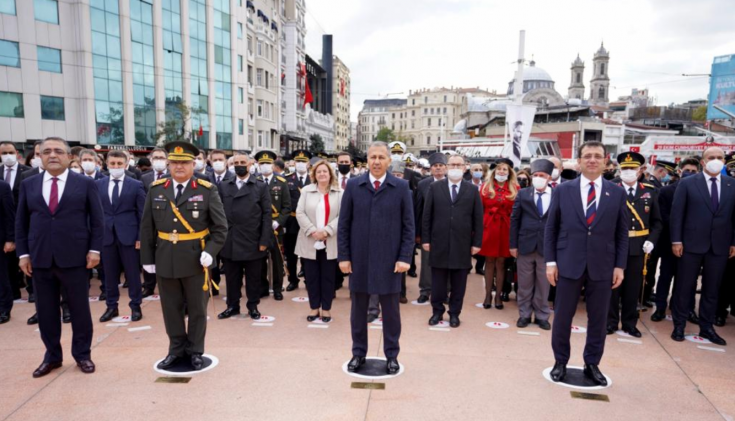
x=488, y=188
x=332, y=176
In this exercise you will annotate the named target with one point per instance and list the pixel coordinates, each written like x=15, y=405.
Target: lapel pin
x=607, y=194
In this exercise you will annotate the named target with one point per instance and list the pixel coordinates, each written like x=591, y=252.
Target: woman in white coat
x=318, y=215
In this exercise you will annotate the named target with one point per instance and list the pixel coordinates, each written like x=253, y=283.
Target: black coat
x=526, y=226
x=294, y=188
x=248, y=212
x=665, y=202
x=30, y=173
x=18, y=178
x=452, y=229
x=419, y=199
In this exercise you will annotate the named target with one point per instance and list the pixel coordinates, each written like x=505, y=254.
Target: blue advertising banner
x=722, y=87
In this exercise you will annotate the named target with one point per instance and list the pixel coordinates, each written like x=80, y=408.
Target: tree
x=353, y=150
x=386, y=135
x=174, y=128
x=317, y=144
x=700, y=114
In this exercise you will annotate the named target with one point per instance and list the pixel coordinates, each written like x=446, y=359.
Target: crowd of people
x=626, y=234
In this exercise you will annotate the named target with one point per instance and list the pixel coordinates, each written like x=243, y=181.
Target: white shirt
x=345, y=178
x=304, y=177
x=112, y=186
x=454, y=184
x=584, y=189
x=60, y=184
x=627, y=188
x=176, y=186
x=545, y=198
x=709, y=184
x=220, y=177
x=92, y=176
x=241, y=181
x=267, y=179
x=321, y=211
x=13, y=172
x=373, y=179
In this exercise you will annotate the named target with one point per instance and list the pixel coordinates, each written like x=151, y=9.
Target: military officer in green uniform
x=281, y=207
x=183, y=228
x=645, y=228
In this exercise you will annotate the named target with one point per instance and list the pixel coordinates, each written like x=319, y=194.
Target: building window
x=602, y=92
x=239, y=63
x=9, y=54
x=579, y=77
x=429, y=123
x=239, y=30
x=428, y=140
x=172, y=59
x=52, y=108
x=445, y=98
x=223, y=73
x=144, y=91
x=426, y=100
x=11, y=105
x=47, y=11
x=7, y=7
x=199, y=71
x=241, y=95
x=413, y=113
x=260, y=138
x=49, y=59
x=259, y=77
x=260, y=108
x=241, y=126
x=107, y=71
x=602, y=69
x=445, y=111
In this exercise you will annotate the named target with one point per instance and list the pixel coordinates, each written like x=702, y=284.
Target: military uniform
x=645, y=226
x=650, y=281
x=173, y=234
x=281, y=207
x=295, y=184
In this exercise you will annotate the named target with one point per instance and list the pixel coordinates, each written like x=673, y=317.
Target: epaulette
x=158, y=182
x=288, y=175
x=204, y=183
x=278, y=177
x=648, y=185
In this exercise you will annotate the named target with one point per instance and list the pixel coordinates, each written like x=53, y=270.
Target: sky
x=393, y=46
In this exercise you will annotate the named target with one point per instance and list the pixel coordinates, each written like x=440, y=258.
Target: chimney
x=328, y=64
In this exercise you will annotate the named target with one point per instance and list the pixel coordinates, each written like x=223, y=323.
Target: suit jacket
x=665, y=202
x=7, y=214
x=123, y=219
x=526, y=226
x=64, y=238
x=30, y=173
x=225, y=177
x=294, y=188
x=18, y=178
x=575, y=247
x=695, y=223
x=452, y=229
x=418, y=201
x=248, y=212
x=376, y=230
x=133, y=172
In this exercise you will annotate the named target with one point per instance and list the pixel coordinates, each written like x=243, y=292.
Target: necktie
x=267, y=181
x=454, y=193
x=553, y=184
x=591, y=208
x=715, y=195
x=301, y=181
x=540, y=204
x=179, y=191
x=159, y=176
x=115, y=192
x=53, y=200
x=239, y=184
x=631, y=196
x=344, y=182
x=376, y=183
x=8, y=172
x=219, y=179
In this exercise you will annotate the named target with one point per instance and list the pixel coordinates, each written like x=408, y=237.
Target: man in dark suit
x=438, y=163
x=123, y=199
x=527, y=222
x=376, y=238
x=344, y=174
x=217, y=176
x=585, y=245
x=452, y=232
x=669, y=262
x=702, y=237
x=247, y=205
x=60, y=204
x=7, y=239
x=159, y=162
x=88, y=159
x=296, y=182
x=34, y=162
x=12, y=173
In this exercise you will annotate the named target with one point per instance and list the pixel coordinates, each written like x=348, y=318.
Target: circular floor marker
x=20, y=301
x=121, y=319
x=265, y=319
x=154, y=297
x=319, y=321
x=669, y=318
x=580, y=329
x=623, y=334
x=497, y=325
x=576, y=379
x=697, y=339
x=374, y=368
x=377, y=322
x=300, y=299
x=94, y=299
x=187, y=318
x=184, y=368
x=482, y=306
x=416, y=303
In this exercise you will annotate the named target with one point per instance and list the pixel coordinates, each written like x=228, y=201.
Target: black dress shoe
x=371, y=317
x=229, y=312
x=633, y=331
x=312, y=317
x=422, y=299
x=168, y=362
x=254, y=313
x=454, y=321
x=197, y=362
x=412, y=274
x=292, y=286
x=45, y=368
x=649, y=303
x=505, y=297
x=392, y=367
x=523, y=322
x=435, y=319
x=109, y=314
x=713, y=337
x=31, y=298
x=719, y=321
x=65, y=316
x=558, y=372
x=103, y=297
x=403, y=300
x=4, y=317
x=543, y=324
x=499, y=306
x=611, y=329
x=87, y=366
x=33, y=319
x=693, y=318
x=658, y=315
x=487, y=306
x=136, y=314
x=125, y=284
x=355, y=363
x=300, y=274
x=326, y=319
x=278, y=296
x=678, y=334
x=147, y=292
x=592, y=372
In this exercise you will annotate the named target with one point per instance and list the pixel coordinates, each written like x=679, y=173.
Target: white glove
x=275, y=225
x=647, y=247
x=149, y=268
x=206, y=259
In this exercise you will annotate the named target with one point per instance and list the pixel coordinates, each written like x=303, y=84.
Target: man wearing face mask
x=644, y=231
x=12, y=173
x=217, y=176
x=661, y=174
x=556, y=173
x=702, y=237
x=609, y=173
x=296, y=182
x=89, y=164
x=159, y=167
x=281, y=207
x=200, y=164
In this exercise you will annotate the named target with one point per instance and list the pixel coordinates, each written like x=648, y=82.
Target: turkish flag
x=342, y=87
x=308, y=98
x=201, y=131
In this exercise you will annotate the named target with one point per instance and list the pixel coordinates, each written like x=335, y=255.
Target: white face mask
x=131, y=163
x=539, y=183
x=159, y=165
x=117, y=172
x=253, y=168
x=231, y=170
x=628, y=176
x=501, y=178
x=301, y=167
x=218, y=166
x=555, y=174
x=714, y=166
x=9, y=160
x=291, y=169
x=455, y=174
x=198, y=164
x=396, y=157
x=266, y=169
x=76, y=170
x=88, y=166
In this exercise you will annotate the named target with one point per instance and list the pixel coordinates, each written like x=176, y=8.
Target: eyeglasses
x=48, y=152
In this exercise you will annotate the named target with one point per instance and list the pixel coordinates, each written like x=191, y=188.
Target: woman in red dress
x=498, y=194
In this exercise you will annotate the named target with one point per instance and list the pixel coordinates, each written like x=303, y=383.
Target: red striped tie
x=591, y=208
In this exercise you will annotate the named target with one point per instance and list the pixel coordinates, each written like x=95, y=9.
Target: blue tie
x=454, y=193
x=715, y=196
x=540, y=204
x=115, y=192
x=591, y=208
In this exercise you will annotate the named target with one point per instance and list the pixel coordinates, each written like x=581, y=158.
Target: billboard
x=722, y=87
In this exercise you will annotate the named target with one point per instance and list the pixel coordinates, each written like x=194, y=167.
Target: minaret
x=600, y=83
x=576, y=86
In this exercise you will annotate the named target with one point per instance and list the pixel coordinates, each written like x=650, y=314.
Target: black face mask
x=523, y=182
x=344, y=169
x=608, y=175
x=241, y=170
